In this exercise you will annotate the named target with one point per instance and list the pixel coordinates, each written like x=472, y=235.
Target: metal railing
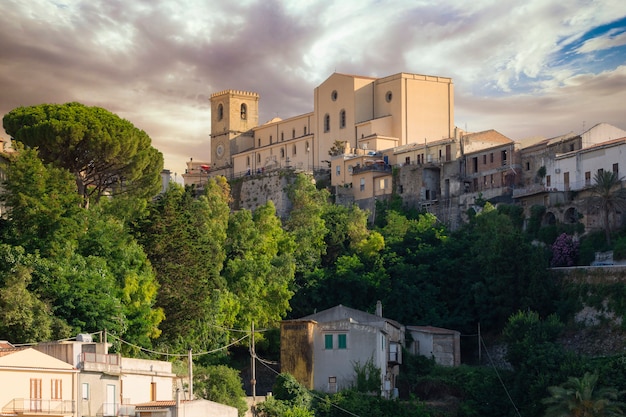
x=38, y=406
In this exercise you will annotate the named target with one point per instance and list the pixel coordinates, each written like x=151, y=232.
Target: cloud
x=524, y=68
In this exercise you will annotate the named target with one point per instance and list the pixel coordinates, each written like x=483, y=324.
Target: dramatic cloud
x=538, y=67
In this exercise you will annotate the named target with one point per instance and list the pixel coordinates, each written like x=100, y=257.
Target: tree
x=260, y=266
x=220, y=384
x=184, y=239
x=582, y=397
x=564, y=251
x=608, y=195
x=105, y=153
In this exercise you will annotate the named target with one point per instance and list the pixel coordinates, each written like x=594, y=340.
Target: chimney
x=379, y=308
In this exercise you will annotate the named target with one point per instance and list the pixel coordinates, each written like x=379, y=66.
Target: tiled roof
x=488, y=135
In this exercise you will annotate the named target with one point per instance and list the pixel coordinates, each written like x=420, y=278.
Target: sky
x=524, y=68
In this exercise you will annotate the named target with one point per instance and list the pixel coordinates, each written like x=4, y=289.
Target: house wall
x=296, y=350
x=138, y=376
x=19, y=369
x=339, y=363
x=443, y=347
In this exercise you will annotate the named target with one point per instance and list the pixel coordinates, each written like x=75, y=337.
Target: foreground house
x=321, y=350
x=35, y=384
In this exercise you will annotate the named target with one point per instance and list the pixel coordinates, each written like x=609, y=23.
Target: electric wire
x=500, y=378
x=179, y=354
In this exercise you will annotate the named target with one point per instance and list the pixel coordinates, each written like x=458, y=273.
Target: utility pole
x=190, y=368
x=253, y=365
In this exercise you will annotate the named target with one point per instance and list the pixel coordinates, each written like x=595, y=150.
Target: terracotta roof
x=155, y=404
x=490, y=135
x=4, y=351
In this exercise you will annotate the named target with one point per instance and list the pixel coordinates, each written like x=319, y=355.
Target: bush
x=564, y=251
x=222, y=385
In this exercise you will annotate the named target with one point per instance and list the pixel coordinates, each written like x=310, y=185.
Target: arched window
x=326, y=123
x=342, y=119
x=220, y=112
x=244, y=112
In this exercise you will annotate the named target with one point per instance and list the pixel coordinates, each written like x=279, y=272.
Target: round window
x=334, y=95
x=388, y=96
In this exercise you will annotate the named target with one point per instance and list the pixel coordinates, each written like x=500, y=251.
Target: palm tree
x=581, y=397
x=608, y=195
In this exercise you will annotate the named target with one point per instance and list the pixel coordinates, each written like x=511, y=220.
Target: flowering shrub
x=564, y=251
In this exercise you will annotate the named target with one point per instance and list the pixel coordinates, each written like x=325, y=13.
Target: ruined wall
x=296, y=350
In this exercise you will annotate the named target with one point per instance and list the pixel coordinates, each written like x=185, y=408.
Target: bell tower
x=233, y=115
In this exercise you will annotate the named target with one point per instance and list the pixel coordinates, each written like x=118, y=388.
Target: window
x=388, y=96
x=491, y=157
x=56, y=392
x=282, y=136
x=475, y=164
x=382, y=183
x=527, y=166
x=220, y=112
x=407, y=160
x=244, y=112
x=328, y=341
x=342, y=119
x=259, y=142
x=35, y=394
x=308, y=147
x=282, y=153
x=304, y=130
x=485, y=159
x=547, y=181
x=342, y=342
x=600, y=172
x=271, y=139
x=326, y=123
x=258, y=158
x=85, y=391
x=485, y=180
x=362, y=186
x=566, y=180
x=492, y=179
x=588, y=178
x=247, y=160
x=334, y=95
x=338, y=169
x=153, y=391
x=503, y=153
x=293, y=133
x=294, y=149
x=616, y=169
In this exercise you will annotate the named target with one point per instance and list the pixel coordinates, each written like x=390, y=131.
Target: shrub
x=564, y=251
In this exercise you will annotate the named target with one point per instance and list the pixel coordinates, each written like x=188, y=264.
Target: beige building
x=366, y=113
x=35, y=384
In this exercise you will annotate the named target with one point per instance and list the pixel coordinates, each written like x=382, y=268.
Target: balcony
x=98, y=362
x=37, y=406
x=378, y=166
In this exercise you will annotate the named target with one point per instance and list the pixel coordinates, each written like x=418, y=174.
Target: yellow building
x=35, y=384
x=368, y=114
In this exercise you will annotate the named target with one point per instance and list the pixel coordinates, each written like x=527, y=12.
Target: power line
x=179, y=354
x=500, y=378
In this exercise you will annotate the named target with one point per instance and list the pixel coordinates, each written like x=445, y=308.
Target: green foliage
x=220, y=384
x=609, y=195
x=105, y=154
x=356, y=403
x=260, y=267
x=583, y=397
x=368, y=377
x=589, y=245
x=534, y=221
x=289, y=398
x=184, y=237
x=515, y=212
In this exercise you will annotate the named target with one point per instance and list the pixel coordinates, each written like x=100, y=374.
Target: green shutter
x=328, y=341
x=342, y=341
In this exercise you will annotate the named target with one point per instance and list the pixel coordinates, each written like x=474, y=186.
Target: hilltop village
x=371, y=138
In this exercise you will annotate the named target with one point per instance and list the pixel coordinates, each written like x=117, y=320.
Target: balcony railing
x=100, y=362
x=39, y=406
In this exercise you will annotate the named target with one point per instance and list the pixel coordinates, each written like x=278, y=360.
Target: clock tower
x=233, y=116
